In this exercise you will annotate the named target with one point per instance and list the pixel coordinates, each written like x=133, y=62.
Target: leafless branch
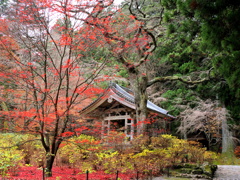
x=186, y=80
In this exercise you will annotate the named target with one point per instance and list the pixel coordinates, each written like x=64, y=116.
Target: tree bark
x=49, y=164
x=51, y=152
x=139, y=86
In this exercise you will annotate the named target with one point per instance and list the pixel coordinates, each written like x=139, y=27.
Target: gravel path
x=227, y=172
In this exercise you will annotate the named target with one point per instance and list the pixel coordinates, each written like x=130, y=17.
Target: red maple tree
x=131, y=37
x=47, y=74
x=48, y=46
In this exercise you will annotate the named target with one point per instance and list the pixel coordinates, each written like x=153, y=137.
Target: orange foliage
x=237, y=151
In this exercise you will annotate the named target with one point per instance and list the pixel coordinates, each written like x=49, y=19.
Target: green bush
x=34, y=153
x=10, y=156
x=167, y=151
x=149, y=155
x=80, y=152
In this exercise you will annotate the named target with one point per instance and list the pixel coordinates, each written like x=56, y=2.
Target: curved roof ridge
x=125, y=92
x=128, y=96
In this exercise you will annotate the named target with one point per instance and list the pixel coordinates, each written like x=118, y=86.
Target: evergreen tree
x=214, y=29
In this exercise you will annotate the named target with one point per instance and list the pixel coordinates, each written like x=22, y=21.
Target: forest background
x=55, y=55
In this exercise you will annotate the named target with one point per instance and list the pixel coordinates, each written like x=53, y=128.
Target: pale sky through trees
x=118, y=1
x=56, y=15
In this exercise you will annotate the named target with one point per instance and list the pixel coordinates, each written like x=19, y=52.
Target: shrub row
x=148, y=155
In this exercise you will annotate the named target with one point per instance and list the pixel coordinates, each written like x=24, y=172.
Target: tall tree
x=210, y=26
x=218, y=27
x=179, y=53
x=50, y=75
x=131, y=42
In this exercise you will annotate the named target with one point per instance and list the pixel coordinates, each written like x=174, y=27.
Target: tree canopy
x=215, y=23
x=53, y=53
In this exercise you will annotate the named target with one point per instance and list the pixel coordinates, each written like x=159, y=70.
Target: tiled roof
x=126, y=97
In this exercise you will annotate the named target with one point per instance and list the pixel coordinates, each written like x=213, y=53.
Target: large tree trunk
x=49, y=164
x=50, y=154
x=139, y=86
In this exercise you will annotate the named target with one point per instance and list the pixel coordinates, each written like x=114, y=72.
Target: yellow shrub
x=10, y=156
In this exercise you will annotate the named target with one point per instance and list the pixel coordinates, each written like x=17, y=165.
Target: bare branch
x=207, y=117
x=151, y=30
x=176, y=78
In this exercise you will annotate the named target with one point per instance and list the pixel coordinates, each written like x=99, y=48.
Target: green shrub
x=34, y=153
x=10, y=156
x=79, y=152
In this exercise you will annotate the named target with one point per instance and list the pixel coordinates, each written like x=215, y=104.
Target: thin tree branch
x=176, y=78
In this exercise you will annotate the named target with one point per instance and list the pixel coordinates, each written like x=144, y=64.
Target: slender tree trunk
x=227, y=143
